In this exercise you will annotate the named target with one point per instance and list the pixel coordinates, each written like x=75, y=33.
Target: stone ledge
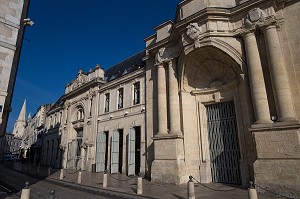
x=167, y=136
x=292, y=124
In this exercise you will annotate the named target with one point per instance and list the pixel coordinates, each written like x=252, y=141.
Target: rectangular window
x=136, y=94
x=120, y=98
x=60, y=116
x=91, y=106
x=106, y=103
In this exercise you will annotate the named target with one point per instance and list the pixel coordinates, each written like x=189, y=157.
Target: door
x=100, y=151
x=131, y=152
x=72, y=158
x=114, y=161
x=223, y=141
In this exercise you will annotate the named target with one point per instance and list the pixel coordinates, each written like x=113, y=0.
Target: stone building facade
x=99, y=123
x=12, y=26
x=223, y=94
x=51, y=153
x=32, y=135
x=9, y=144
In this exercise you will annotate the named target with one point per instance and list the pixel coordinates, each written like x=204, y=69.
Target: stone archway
x=209, y=67
x=212, y=77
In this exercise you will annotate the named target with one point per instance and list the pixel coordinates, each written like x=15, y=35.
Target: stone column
x=161, y=100
x=279, y=76
x=257, y=83
x=174, y=116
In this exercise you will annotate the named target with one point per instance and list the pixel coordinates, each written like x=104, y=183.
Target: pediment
x=79, y=81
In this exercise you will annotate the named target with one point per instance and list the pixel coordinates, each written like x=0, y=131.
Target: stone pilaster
x=257, y=83
x=279, y=76
x=161, y=100
x=174, y=116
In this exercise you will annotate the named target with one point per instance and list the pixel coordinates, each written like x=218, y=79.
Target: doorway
x=223, y=143
x=134, y=151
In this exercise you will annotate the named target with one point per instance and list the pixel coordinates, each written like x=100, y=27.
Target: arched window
x=80, y=113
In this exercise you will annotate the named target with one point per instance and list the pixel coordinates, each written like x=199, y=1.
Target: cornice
x=124, y=79
x=83, y=88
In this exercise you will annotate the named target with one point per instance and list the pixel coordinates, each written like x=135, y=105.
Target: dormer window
x=127, y=70
x=113, y=77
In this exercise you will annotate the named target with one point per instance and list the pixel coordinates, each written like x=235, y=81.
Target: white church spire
x=21, y=122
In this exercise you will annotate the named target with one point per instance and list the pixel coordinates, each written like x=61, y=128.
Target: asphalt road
x=12, y=182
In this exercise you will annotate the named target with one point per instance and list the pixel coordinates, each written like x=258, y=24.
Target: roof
x=127, y=66
x=58, y=104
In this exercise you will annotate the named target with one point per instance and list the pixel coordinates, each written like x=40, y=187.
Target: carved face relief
x=254, y=17
x=254, y=14
x=193, y=31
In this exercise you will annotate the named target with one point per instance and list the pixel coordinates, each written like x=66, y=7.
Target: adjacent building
x=10, y=146
x=13, y=16
x=32, y=133
x=99, y=123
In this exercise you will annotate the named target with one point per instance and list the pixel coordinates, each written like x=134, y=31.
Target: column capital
x=160, y=64
x=272, y=25
x=247, y=32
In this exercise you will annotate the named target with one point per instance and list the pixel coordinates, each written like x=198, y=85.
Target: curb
x=107, y=192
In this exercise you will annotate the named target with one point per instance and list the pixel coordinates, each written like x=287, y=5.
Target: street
x=12, y=182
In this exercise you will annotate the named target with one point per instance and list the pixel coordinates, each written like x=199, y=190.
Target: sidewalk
x=125, y=187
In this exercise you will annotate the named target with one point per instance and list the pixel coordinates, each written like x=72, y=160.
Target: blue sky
x=74, y=34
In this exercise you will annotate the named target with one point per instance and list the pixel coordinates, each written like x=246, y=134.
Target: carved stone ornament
x=253, y=17
x=160, y=56
x=80, y=80
x=193, y=31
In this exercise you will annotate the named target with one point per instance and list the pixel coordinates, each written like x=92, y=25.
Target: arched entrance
x=212, y=79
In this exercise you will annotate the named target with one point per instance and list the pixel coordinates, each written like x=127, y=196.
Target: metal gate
x=223, y=143
x=100, y=152
x=131, y=152
x=114, y=152
x=73, y=157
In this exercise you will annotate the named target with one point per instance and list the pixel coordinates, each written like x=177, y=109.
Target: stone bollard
x=191, y=188
x=104, y=179
x=61, y=175
x=26, y=191
x=49, y=171
x=79, y=177
x=51, y=196
x=252, y=194
x=139, y=185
